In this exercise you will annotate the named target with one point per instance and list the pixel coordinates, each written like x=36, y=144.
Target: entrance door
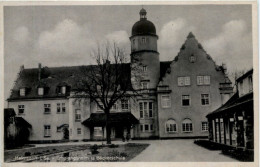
x=119, y=132
x=65, y=133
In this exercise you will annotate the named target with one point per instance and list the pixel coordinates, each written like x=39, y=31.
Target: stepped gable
x=190, y=46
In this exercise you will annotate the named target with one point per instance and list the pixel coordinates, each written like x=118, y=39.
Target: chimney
x=39, y=71
x=224, y=68
x=21, y=67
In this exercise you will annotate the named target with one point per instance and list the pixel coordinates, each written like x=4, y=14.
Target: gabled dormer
x=62, y=88
x=42, y=89
x=23, y=91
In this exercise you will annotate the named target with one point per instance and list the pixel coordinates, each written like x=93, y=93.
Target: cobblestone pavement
x=178, y=150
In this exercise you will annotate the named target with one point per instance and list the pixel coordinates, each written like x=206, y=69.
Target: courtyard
x=177, y=150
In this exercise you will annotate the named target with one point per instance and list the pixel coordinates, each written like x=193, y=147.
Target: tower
x=145, y=63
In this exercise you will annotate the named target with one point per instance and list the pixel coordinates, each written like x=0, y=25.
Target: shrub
x=94, y=149
x=114, y=153
x=26, y=154
x=113, y=146
x=123, y=154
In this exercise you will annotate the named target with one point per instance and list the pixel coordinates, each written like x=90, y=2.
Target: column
x=230, y=129
x=235, y=127
x=219, y=128
x=224, y=126
x=216, y=135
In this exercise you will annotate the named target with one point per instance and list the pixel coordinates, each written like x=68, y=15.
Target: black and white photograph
x=130, y=82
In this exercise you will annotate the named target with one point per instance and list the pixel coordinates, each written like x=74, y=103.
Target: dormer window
x=63, y=89
x=22, y=92
x=40, y=91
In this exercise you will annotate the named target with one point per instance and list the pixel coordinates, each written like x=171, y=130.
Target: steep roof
x=53, y=77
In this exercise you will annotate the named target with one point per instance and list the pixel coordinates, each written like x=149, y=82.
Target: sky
x=65, y=35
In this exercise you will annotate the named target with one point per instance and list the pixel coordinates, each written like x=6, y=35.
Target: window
x=133, y=41
x=20, y=109
x=47, y=131
x=171, y=126
x=205, y=99
x=144, y=68
x=63, y=89
x=47, y=108
x=143, y=40
x=141, y=110
x=166, y=102
x=125, y=104
x=185, y=100
x=98, y=131
x=146, y=127
x=206, y=80
x=144, y=85
x=63, y=107
x=22, y=92
x=146, y=109
x=250, y=83
x=77, y=115
x=192, y=59
x=40, y=91
x=58, y=107
x=79, y=131
x=151, y=127
x=183, y=81
x=150, y=110
x=141, y=128
x=241, y=88
x=199, y=80
x=203, y=80
x=187, y=125
x=204, y=126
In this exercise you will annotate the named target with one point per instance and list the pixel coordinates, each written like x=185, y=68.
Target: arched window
x=171, y=126
x=187, y=125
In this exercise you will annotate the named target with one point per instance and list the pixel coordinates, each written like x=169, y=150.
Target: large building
x=176, y=95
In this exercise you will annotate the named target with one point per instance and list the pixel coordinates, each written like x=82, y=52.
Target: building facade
x=174, y=100
x=233, y=123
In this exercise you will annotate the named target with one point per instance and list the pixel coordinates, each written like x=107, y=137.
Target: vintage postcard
x=158, y=83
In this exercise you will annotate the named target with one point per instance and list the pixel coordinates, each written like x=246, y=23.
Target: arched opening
x=170, y=126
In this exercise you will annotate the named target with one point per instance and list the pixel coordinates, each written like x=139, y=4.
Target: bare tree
x=106, y=82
